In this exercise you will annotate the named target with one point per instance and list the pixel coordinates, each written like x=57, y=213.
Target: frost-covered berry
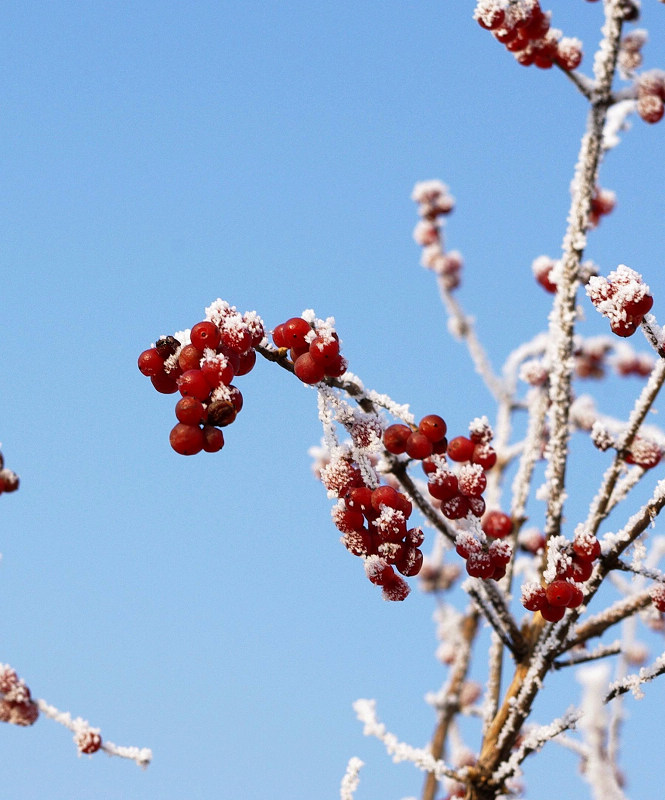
x=497, y=524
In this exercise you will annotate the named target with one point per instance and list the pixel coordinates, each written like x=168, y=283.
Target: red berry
x=484, y=455
x=190, y=411
x=336, y=367
x=443, y=485
x=186, y=439
x=497, y=524
x=150, y=362
x=164, y=383
x=385, y=495
x=190, y=357
x=213, y=439
x=278, y=336
x=577, y=597
x=307, y=369
x=559, y=593
x=294, y=332
x=395, y=438
x=418, y=445
x=409, y=561
x=534, y=598
x=455, y=508
x=348, y=520
x=193, y=383
x=360, y=498
x=324, y=350
x=460, y=448
x=479, y=565
x=580, y=570
x=246, y=362
x=218, y=370
x=586, y=548
x=476, y=506
x=552, y=613
x=205, y=334
x=236, y=398
x=433, y=426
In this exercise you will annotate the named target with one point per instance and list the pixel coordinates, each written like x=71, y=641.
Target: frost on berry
x=16, y=704
x=88, y=740
x=622, y=297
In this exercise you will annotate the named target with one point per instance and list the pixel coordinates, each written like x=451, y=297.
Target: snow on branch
x=351, y=779
x=88, y=739
x=400, y=751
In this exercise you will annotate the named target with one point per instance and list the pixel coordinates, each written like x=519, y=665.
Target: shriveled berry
x=221, y=413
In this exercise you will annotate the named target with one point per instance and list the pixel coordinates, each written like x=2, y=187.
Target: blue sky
x=160, y=155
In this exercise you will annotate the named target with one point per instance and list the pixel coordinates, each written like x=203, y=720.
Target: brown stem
x=469, y=627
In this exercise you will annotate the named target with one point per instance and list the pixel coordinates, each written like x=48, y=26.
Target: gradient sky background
x=157, y=156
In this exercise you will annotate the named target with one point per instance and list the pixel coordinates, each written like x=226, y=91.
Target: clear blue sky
x=160, y=155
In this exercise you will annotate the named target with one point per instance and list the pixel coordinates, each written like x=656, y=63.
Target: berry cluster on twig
x=524, y=29
x=200, y=364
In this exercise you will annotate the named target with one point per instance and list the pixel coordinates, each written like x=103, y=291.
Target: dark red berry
x=552, y=613
x=418, y=445
x=221, y=413
x=497, y=524
x=190, y=410
x=395, y=438
x=213, y=439
x=186, y=439
x=164, y=383
x=460, y=449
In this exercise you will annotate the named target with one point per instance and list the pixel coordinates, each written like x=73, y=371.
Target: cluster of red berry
x=16, y=705
x=487, y=560
x=313, y=350
x=459, y=493
x=374, y=526
x=651, y=95
x=435, y=201
x=9, y=480
x=200, y=364
x=622, y=297
x=575, y=566
x=524, y=28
